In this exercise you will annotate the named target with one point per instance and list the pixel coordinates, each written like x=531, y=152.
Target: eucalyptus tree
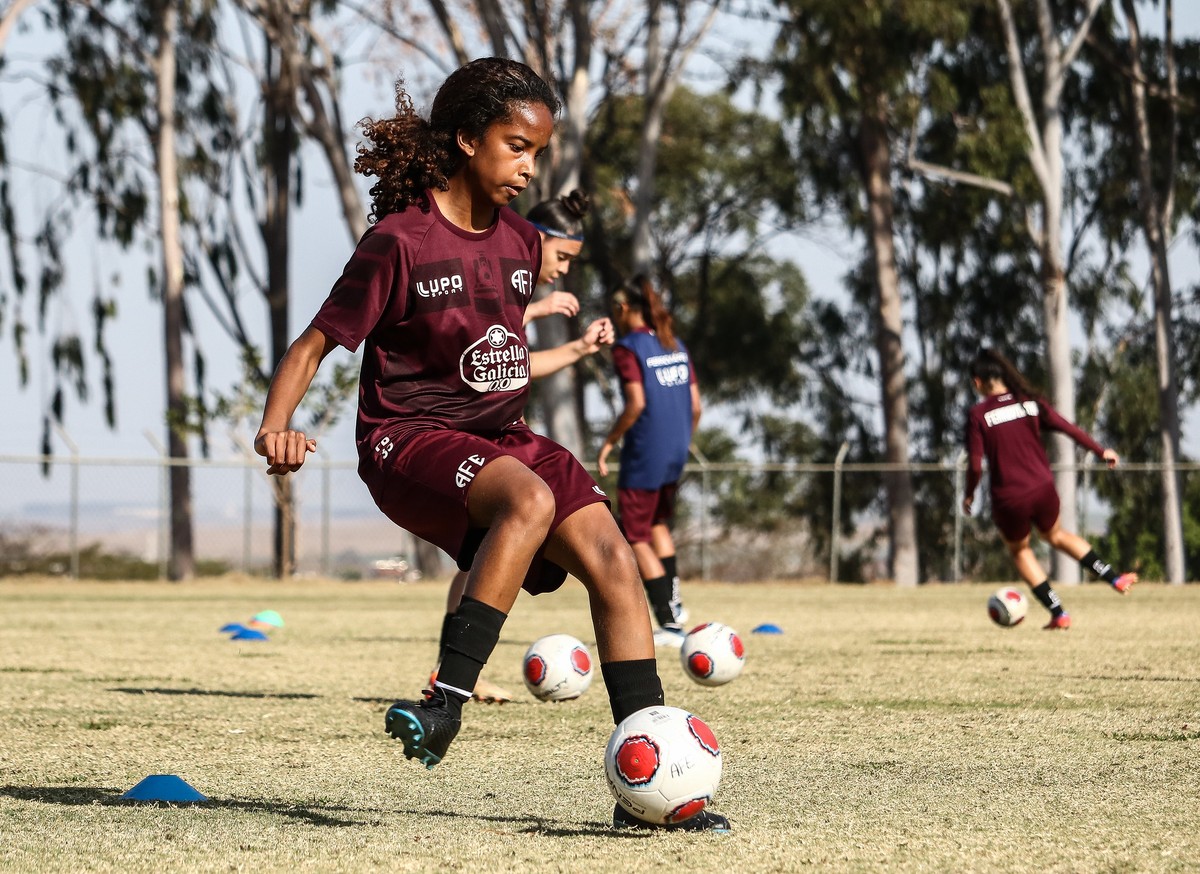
x=136, y=75
x=845, y=75
x=1156, y=198
x=1136, y=118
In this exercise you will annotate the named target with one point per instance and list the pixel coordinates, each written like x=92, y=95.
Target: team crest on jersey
x=520, y=278
x=498, y=361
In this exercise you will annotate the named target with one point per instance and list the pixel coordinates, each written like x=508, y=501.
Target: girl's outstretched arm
x=284, y=448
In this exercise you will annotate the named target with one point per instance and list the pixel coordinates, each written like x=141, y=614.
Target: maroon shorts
x=1014, y=514
x=421, y=481
x=642, y=509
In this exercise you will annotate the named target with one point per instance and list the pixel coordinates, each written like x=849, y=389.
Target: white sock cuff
x=461, y=693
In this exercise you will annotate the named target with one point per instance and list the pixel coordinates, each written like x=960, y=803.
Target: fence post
x=164, y=502
x=249, y=464
x=960, y=484
x=73, y=529
x=325, y=493
x=835, y=540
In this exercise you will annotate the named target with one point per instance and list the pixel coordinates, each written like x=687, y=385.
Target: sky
x=321, y=248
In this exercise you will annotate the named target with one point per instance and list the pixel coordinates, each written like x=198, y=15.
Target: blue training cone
x=164, y=787
x=249, y=634
x=767, y=628
x=233, y=626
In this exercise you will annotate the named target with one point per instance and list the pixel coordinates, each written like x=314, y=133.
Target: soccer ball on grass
x=1007, y=607
x=558, y=667
x=663, y=765
x=712, y=654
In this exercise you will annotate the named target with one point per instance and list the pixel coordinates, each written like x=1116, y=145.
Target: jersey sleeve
x=626, y=365
x=973, y=438
x=1054, y=421
x=371, y=279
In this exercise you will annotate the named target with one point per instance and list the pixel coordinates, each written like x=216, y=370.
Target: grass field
x=886, y=730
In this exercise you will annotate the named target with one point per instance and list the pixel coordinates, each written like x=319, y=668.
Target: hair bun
x=576, y=202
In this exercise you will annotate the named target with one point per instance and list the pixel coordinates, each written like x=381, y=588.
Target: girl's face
x=557, y=255
x=501, y=163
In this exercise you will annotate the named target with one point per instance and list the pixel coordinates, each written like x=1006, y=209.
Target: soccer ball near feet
x=663, y=765
x=1007, y=607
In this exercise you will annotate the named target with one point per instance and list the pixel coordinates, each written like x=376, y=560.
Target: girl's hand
x=555, y=303
x=1111, y=458
x=284, y=450
x=598, y=333
x=602, y=460
x=968, y=502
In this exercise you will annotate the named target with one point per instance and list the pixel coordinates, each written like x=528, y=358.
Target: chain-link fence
x=104, y=517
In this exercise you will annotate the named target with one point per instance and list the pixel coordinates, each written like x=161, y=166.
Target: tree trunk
x=279, y=134
x=1060, y=375
x=875, y=154
x=560, y=419
x=1164, y=335
x=182, y=562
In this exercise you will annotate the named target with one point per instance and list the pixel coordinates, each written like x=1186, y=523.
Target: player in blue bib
x=662, y=410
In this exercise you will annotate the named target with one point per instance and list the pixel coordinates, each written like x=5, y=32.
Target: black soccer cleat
x=425, y=727
x=704, y=821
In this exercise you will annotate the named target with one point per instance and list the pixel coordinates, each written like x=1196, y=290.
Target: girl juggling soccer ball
x=436, y=290
x=1006, y=427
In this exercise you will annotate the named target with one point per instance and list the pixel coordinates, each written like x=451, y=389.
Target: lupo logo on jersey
x=498, y=361
x=439, y=285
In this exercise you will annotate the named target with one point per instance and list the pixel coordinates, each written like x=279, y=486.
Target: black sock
x=471, y=635
x=1048, y=598
x=658, y=590
x=1092, y=562
x=632, y=686
x=672, y=572
x=668, y=563
x=442, y=637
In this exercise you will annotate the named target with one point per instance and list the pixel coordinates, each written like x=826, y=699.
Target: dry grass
x=886, y=730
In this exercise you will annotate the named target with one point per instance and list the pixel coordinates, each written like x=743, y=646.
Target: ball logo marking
x=637, y=760
x=535, y=670
x=580, y=660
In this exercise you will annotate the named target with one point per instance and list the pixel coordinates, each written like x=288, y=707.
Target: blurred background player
x=1006, y=427
x=662, y=411
x=436, y=289
x=559, y=222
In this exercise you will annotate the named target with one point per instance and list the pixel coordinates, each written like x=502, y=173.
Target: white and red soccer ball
x=1007, y=606
x=663, y=765
x=558, y=667
x=712, y=654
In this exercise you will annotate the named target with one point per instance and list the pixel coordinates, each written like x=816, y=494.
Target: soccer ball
x=663, y=765
x=1007, y=607
x=712, y=654
x=557, y=667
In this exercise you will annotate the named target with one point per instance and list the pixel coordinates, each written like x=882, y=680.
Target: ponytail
x=639, y=292
x=990, y=364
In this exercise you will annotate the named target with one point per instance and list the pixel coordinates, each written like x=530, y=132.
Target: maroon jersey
x=440, y=309
x=1008, y=431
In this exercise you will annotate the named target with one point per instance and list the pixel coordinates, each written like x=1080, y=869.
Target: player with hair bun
x=1006, y=427
x=662, y=410
x=436, y=289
